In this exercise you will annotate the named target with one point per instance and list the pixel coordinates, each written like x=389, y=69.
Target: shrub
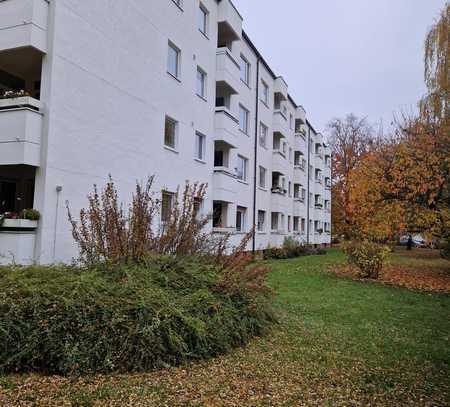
x=30, y=214
x=69, y=320
x=368, y=257
x=291, y=248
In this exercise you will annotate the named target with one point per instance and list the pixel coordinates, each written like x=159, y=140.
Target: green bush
x=68, y=320
x=368, y=257
x=291, y=248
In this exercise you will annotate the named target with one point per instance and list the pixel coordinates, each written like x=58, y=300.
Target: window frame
x=171, y=195
x=244, y=161
x=203, y=76
x=242, y=211
x=263, y=135
x=265, y=92
x=200, y=146
x=175, y=123
x=171, y=46
x=245, y=74
x=205, y=22
x=262, y=180
x=243, y=109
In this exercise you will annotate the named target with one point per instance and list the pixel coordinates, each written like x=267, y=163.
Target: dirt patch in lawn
x=420, y=269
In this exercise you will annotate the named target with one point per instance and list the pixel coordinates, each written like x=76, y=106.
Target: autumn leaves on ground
x=338, y=342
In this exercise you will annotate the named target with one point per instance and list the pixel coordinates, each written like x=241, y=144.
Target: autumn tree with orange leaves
x=385, y=186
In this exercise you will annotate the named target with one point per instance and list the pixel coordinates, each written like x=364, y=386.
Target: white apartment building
x=173, y=88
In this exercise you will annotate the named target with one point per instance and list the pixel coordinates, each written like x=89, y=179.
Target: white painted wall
x=106, y=92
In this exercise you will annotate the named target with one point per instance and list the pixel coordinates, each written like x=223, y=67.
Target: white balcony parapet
x=227, y=71
x=224, y=185
x=24, y=23
x=20, y=131
x=17, y=241
x=229, y=20
x=281, y=87
x=226, y=127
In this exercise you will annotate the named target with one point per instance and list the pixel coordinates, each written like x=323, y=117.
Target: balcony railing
x=24, y=23
x=20, y=131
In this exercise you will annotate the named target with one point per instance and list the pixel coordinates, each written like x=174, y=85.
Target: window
x=290, y=154
x=243, y=119
x=240, y=219
x=265, y=93
x=242, y=166
x=289, y=223
x=261, y=221
x=200, y=146
x=167, y=201
x=303, y=195
x=203, y=19
x=218, y=215
x=170, y=133
x=291, y=121
x=245, y=70
x=263, y=132
x=303, y=226
x=296, y=191
x=201, y=83
x=297, y=158
x=262, y=177
x=311, y=202
x=290, y=189
x=173, y=61
x=296, y=223
x=274, y=221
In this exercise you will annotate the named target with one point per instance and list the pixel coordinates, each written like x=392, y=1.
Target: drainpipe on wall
x=255, y=167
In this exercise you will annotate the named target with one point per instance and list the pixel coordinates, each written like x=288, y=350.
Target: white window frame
x=200, y=146
x=172, y=47
x=244, y=122
x=261, y=223
x=243, y=215
x=265, y=93
x=171, y=197
x=201, y=83
x=242, y=172
x=203, y=19
x=263, y=134
x=245, y=70
x=175, y=124
x=262, y=179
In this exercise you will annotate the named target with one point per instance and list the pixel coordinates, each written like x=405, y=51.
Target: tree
x=350, y=139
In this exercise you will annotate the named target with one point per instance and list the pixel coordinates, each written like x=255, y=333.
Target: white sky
x=344, y=56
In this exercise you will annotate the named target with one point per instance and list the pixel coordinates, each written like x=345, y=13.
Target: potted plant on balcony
x=27, y=219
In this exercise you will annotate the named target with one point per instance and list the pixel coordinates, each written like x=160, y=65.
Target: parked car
x=417, y=240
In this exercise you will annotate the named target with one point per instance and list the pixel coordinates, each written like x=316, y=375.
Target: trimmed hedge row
x=66, y=320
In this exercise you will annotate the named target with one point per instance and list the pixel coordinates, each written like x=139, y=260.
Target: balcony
x=17, y=245
x=279, y=203
x=224, y=185
x=280, y=124
x=228, y=72
x=279, y=163
x=226, y=127
x=20, y=131
x=281, y=88
x=24, y=23
x=229, y=23
x=299, y=207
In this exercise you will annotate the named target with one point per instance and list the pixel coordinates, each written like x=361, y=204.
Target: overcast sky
x=342, y=56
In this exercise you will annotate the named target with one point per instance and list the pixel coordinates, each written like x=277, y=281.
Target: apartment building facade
x=171, y=88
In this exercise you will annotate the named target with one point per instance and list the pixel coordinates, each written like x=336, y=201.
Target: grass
x=338, y=343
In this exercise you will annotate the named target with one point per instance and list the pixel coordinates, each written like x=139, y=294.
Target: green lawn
x=338, y=343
